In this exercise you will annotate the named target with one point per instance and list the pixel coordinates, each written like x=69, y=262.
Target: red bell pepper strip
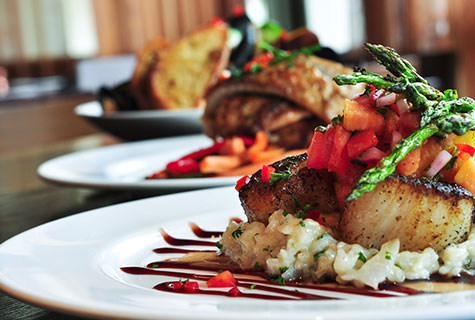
x=360, y=142
x=320, y=148
x=466, y=148
x=242, y=182
x=266, y=173
x=205, y=152
x=183, y=166
x=221, y=280
x=339, y=160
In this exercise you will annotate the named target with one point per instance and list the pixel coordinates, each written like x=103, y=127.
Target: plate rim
x=81, y=110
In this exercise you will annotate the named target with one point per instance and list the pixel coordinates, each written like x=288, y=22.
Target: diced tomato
x=242, y=182
x=266, y=173
x=360, y=142
x=238, y=10
x=358, y=117
x=410, y=122
x=176, y=285
x=183, y=166
x=366, y=98
x=391, y=125
x=205, y=152
x=234, y=292
x=466, y=148
x=217, y=22
x=191, y=286
x=339, y=160
x=158, y=175
x=395, y=109
x=320, y=148
x=223, y=279
x=466, y=175
x=409, y=165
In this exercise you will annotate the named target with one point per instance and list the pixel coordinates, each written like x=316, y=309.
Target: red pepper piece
x=183, y=166
x=248, y=141
x=238, y=10
x=339, y=160
x=234, y=292
x=266, y=173
x=360, y=142
x=205, y=152
x=217, y=22
x=313, y=214
x=466, y=148
x=395, y=109
x=176, y=285
x=158, y=175
x=242, y=182
x=223, y=279
x=191, y=286
x=320, y=148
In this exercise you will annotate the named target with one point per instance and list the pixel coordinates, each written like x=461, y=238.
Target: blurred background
x=66, y=49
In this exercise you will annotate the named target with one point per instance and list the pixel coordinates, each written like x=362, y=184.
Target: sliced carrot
x=410, y=163
x=253, y=167
x=466, y=175
x=265, y=155
x=259, y=145
x=218, y=164
x=233, y=146
x=361, y=117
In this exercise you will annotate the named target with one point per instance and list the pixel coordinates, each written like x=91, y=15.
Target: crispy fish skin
x=420, y=212
x=304, y=186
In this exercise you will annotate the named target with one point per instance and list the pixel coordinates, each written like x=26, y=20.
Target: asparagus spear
x=443, y=112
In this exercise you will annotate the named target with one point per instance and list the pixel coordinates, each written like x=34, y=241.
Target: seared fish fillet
x=304, y=186
x=420, y=212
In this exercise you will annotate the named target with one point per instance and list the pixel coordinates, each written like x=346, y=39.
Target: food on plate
x=233, y=156
x=285, y=94
x=393, y=189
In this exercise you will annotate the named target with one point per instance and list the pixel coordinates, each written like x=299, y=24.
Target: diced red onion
x=402, y=106
x=439, y=162
x=386, y=100
x=378, y=94
x=372, y=155
x=396, y=137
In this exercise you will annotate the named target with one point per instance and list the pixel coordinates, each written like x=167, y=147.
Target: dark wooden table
x=30, y=134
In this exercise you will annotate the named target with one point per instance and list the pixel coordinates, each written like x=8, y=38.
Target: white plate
x=73, y=265
x=142, y=124
x=125, y=166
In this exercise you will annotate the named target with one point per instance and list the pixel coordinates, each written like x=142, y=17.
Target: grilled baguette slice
x=189, y=67
x=141, y=79
x=303, y=187
x=421, y=213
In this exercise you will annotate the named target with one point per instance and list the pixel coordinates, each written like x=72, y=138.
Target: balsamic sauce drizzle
x=288, y=292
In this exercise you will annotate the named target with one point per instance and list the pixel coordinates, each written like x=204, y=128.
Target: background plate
x=142, y=124
x=125, y=166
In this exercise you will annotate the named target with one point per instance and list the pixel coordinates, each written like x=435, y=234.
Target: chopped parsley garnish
x=220, y=271
x=302, y=224
x=397, y=265
x=283, y=269
x=255, y=68
x=301, y=214
x=388, y=255
x=280, y=280
x=256, y=265
x=155, y=265
x=367, y=91
x=361, y=256
x=285, y=213
x=252, y=286
x=322, y=235
x=266, y=249
x=382, y=110
x=296, y=202
x=219, y=245
x=276, y=176
x=237, y=233
x=319, y=254
x=338, y=119
x=321, y=129
x=467, y=267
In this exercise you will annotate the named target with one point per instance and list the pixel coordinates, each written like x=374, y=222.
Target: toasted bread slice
x=146, y=61
x=189, y=67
